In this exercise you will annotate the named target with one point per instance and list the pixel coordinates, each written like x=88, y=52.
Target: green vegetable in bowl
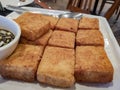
x=5, y=37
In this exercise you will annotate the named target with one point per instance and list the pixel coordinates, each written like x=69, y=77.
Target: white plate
x=15, y=2
x=111, y=47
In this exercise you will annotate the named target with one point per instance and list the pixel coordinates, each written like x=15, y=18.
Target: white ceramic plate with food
x=15, y=2
x=111, y=47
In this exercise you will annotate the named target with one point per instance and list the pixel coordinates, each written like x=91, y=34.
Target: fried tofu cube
x=22, y=64
x=32, y=25
x=87, y=23
x=57, y=67
x=89, y=37
x=27, y=15
x=53, y=20
x=43, y=40
x=67, y=24
x=62, y=39
x=93, y=65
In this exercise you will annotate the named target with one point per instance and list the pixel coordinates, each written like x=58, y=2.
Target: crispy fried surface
x=43, y=40
x=67, y=24
x=53, y=20
x=92, y=65
x=89, y=37
x=57, y=67
x=62, y=39
x=22, y=64
x=89, y=23
x=32, y=25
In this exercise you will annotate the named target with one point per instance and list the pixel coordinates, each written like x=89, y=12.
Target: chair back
x=111, y=10
x=83, y=6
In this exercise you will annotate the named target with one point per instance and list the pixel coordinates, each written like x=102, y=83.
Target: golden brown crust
x=22, y=64
x=62, y=39
x=89, y=23
x=43, y=40
x=32, y=25
x=89, y=37
x=67, y=24
x=92, y=65
x=57, y=67
x=53, y=20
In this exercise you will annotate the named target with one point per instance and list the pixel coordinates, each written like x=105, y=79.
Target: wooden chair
x=103, y=4
x=83, y=6
x=43, y=4
x=110, y=12
x=118, y=13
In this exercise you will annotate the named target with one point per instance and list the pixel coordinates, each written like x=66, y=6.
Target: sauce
x=5, y=37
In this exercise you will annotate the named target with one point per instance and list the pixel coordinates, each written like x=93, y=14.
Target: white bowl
x=13, y=27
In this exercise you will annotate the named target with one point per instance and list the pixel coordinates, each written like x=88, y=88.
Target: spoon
x=62, y=15
x=77, y=16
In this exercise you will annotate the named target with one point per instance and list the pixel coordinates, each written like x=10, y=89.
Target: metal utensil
x=73, y=15
x=21, y=10
x=78, y=16
x=65, y=15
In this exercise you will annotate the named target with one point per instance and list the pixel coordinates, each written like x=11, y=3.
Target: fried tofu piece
x=27, y=15
x=43, y=40
x=62, y=39
x=53, y=20
x=22, y=64
x=57, y=67
x=32, y=25
x=87, y=23
x=67, y=24
x=93, y=65
x=89, y=37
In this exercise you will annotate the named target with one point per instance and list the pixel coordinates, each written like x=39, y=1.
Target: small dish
x=13, y=27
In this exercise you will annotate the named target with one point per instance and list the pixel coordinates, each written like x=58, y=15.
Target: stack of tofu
x=58, y=52
x=92, y=63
